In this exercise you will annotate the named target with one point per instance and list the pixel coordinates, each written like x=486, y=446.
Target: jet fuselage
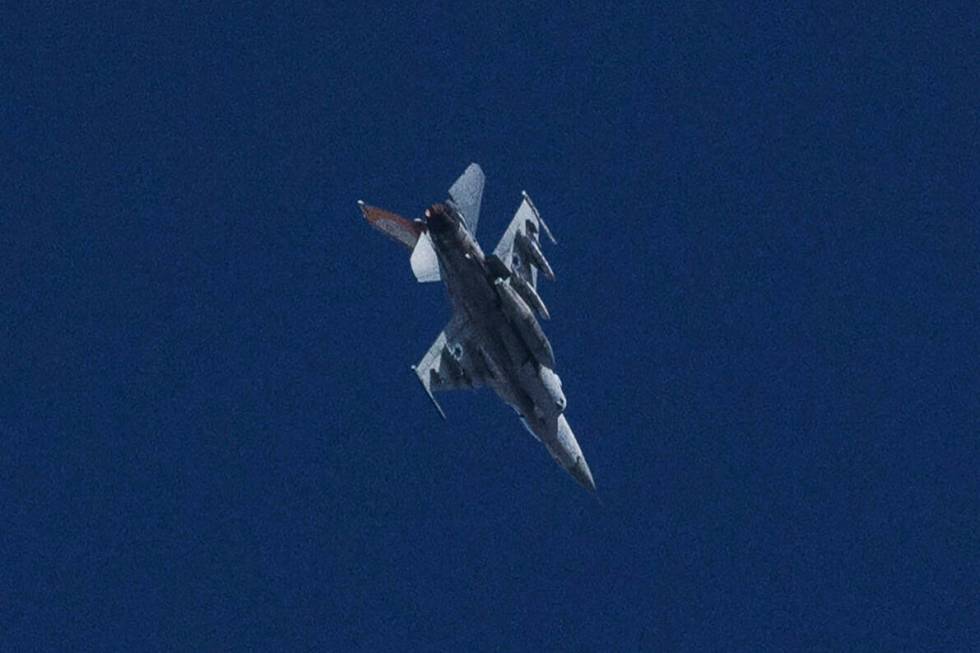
x=517, y=375
x=493, y=337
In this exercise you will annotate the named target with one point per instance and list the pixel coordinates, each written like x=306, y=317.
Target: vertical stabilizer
x=466, y=195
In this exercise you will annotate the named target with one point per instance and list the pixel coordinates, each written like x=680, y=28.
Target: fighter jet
x=494, y=338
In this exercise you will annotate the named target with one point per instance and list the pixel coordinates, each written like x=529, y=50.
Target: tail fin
x=466, y=194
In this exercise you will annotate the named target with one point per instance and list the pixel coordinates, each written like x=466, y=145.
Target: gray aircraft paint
x=493, y=338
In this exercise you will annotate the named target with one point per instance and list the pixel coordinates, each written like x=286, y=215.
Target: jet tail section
x=411, y=234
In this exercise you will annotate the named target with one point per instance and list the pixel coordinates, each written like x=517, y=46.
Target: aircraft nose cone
x=580, y=471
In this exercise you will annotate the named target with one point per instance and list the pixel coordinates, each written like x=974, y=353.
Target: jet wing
x=466, y=194
x=453, y=362
x=525, y=227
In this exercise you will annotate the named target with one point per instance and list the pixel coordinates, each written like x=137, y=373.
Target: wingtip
x=544, y=225
x=428, y=392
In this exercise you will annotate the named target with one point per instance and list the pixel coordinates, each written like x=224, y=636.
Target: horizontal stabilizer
x=425, y=262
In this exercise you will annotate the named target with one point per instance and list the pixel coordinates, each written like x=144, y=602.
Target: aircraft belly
x=505, y=353
x=493, y=337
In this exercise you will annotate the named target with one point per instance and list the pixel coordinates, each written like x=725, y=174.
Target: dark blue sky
x=765, y=317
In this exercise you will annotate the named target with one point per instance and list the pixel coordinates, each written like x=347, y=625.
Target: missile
x=530, y=295
x=531, y=250
x=497, y=268
x=527, y=326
